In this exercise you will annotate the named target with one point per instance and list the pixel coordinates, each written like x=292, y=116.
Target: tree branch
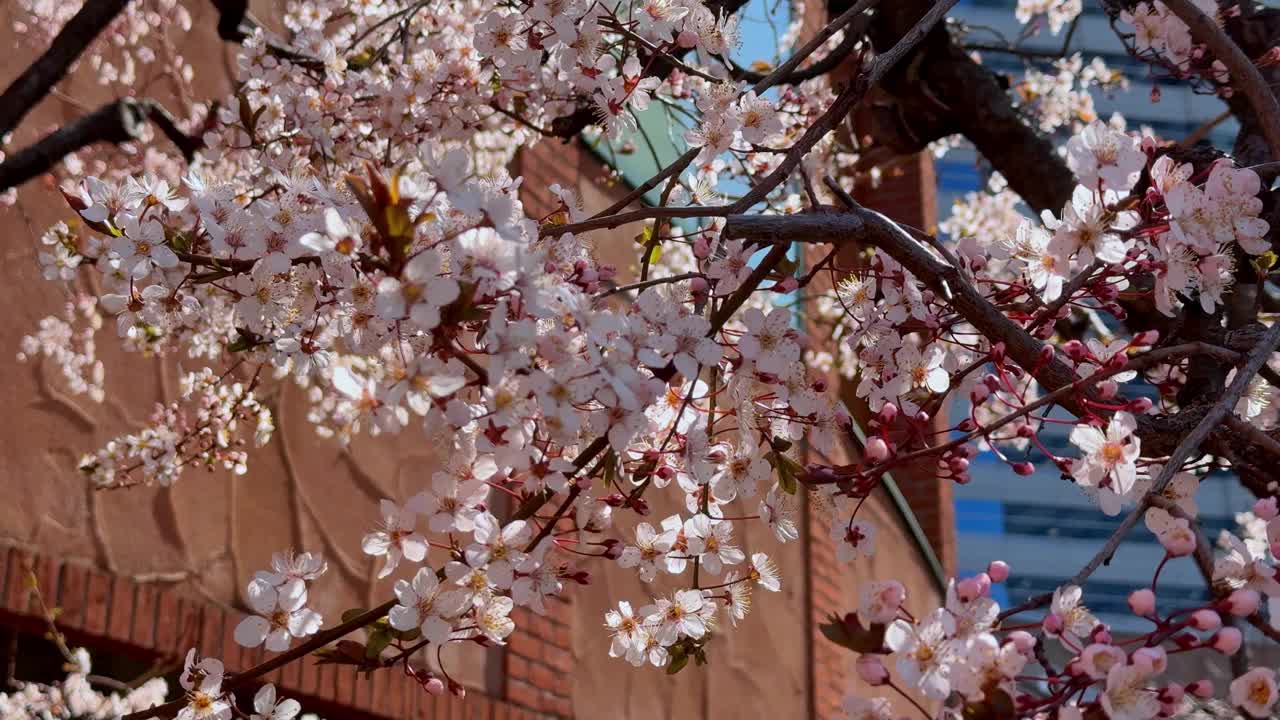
x=116, y=122
x=242, y=679
x=1244, y=75
x=36, y=81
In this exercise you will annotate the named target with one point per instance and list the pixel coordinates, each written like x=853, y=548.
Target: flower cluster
x=278, y=598
x=75, y=698
x=205, y=427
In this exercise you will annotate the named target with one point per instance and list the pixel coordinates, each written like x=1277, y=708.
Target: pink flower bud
x=1227, y=641
x=979, y=393
x=1266, y=508
x=1023, y=640
x=921, y=417
x=998, y=571
x=1172, y=693
x=1153, y=660
x=788, y=284
x=701, y=247
x=1146, y=337
x=698, y=286
x=871, y=670
x=434, y=686
x=1142, y=602
x=1202, y=689
x=1107, y=389
x=1100, y=634
x=1076, y=350
x=877, y=450
x=687, y=39
x=1024, y=468
x=1052, y=624
x=1242, y=603
x=1206, y=619
x=888, y=412
x=1140, y=406
x=967, y=425
x=968, y=589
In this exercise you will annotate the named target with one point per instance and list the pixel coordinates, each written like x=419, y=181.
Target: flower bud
x=1052, y=624
x=1227, y=641
x=1153, y=660
x=1107, y=389
x=1202, y=689
x=997, y=353
x=1266, y=508
x=1024, y=468
x=979, y=393
x=998, y=571
x=1146, y=338
x=967, y=424
x=788, y=284
x=1076, y=350
x=968, y=589
x=1023, y=640
x=698, y=286
x=871, y=670
x=1140, y=406
x=1206, y=619
x=687, y=39
x=701, y=247
x=1242, y=603
x=877, y=450
x=434, y=686
x=888, y=412
x=1046, y=354
x=1142, y=602
x=1172, y=693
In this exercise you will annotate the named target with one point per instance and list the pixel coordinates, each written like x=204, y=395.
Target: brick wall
x=160, y=622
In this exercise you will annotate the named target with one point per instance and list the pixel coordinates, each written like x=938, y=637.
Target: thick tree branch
x=36, y=81
x=940, y=91
x=1244, y=75
x=116, y=122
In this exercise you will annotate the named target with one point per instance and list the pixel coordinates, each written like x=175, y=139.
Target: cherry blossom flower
x=426, y=605
x=396, y=538
x=924, y=652
x=266, y=707
x=1109, y=462
x=278, y=619
x=1254, y=692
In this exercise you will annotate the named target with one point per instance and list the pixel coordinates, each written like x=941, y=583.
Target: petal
x=262, y=597
x=252, y=631
x=403, y=618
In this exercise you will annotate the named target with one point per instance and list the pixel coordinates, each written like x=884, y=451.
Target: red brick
x=542, y=677
x=190, y=630
x=327, y=682
x=558, y=658
x=120, y=609
x=46, y=570
x=348, y=685
x=522, y=693
x=97, y=603
x=15, y=583
x=517, y=667
x=393, y=693
x=73, y=588
x=211, y=621
x=233, y=656
x=168, y=621
x=523, y=644
x=562, y=706
x=308, y=675
x=478, y=707
x=145, y=609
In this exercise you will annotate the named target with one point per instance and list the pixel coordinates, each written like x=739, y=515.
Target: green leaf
x=378, y=641
x=679, y=658
x=353, y=613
